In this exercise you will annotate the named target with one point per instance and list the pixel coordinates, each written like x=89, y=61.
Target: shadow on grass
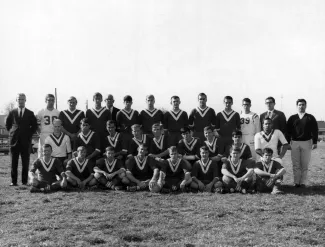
x=309, y=190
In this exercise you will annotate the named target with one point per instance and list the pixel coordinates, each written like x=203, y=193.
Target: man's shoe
x=297, y=185
x=13, y=184
x=302, y=186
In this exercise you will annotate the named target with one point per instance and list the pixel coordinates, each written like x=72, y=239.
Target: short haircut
x=301, y=101
x=47, y=146
x=247, y=100
x=97, y=95
x=174, y=97
x=229, y=98
x=202, y=94
x=204, y=148
x=21, y=95
x=236, y=150
x=172, y=149
x=49, y=95
x=144, y=146
x=111, y=122
x=185, y=129
x=270, y=98
x=267, y=150
x=267, y=119
x=80, y=148
x=136, y=126
x=109, y=149
x=127, y=98
x=208, y=128
x=108, y=96
x=84, y=120
x=157, y=125
x=72, y=98
x=57, y=121
x=236, y=133
x=150, y=96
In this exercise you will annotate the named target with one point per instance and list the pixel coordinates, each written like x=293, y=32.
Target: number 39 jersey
x=45, y=119
x=250, y=123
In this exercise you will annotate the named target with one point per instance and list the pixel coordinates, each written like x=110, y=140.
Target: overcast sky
x=240, y=48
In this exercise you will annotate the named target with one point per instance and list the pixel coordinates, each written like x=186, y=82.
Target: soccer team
x=123, y=149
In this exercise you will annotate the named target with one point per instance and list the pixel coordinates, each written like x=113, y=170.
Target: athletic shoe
x=165, y=191
x=219, y=190
x=297, y=185
x=243, y=191
x=232, y=190
x=117, y=188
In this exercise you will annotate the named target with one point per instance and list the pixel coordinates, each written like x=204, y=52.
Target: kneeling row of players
x=142, y=172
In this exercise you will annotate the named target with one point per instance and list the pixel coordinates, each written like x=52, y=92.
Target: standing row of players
x=220, y=127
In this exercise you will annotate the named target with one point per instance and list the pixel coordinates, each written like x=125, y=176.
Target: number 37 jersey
x=45, y=119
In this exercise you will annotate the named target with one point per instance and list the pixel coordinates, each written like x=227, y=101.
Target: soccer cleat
x=276, y=191
x=232, y=190
x=118, y=188
x=165, y=191
x=297, y=185
x=243, y=191
x=174, y=188
x=219, y=190
x=131, y=188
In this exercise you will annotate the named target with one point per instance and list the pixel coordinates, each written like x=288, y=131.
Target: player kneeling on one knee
x=80, y=170
x=110, y=172
x=142, y=171
x=206, y=174
x=237, y=173
x=269, y=173
x=48, y=168
x=175, y=173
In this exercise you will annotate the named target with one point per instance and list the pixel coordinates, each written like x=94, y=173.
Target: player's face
x=82, y=153
x=111, y=128
x=47, y=152
x=173, y=155
x=72, y=104
x=267, y=125
x=246, y=106
x=57, y=127
x=202, y=101
x=150, y=102
x=236, y=139
x=21, y=100
x=204, y=154
x=85, y=127
x=227, y=103
x=267, y=157
x=187, y=135
x=110, y=154
x=156, y=131
x=269, y=104
x=235, y=155
x=50, y=102
x=208, y=134
x=128, y=104
x=109, y=101
x=301, y=107
x=98, y=100
x=142, y=151
x=137, y=132
x=175, y=103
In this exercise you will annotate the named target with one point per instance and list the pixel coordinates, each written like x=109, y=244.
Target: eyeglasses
x=269, y=102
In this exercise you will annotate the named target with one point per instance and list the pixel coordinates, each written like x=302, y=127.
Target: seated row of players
x=142, y=172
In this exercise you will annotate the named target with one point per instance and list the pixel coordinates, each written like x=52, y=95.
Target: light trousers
x=300, y=156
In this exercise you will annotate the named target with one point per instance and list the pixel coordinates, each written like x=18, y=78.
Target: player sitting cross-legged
x=175, y=173
x=80, y=170
x=110, y=172
x=48, y=168
x=269, y=173
x=142, y=171
x=205, y=173
x=237, y=173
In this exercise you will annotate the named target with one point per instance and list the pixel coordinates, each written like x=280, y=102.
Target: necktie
x=21, y=113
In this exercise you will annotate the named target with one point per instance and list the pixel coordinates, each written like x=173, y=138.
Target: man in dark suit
x=109, y=105
x=279, y=120
x=21, y=124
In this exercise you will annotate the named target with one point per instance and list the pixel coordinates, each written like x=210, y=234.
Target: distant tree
x=8, y=107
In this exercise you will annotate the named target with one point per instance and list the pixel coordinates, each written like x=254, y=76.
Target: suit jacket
x=114, y=113
x=279, y=120
x=22, y=129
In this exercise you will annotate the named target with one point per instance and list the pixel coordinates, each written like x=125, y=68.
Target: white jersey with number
x=45, y=120
x=250, y=124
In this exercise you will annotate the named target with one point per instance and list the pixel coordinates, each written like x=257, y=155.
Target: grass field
x=101, y=218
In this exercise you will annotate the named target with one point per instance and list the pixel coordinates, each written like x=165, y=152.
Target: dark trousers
x=24, y=152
